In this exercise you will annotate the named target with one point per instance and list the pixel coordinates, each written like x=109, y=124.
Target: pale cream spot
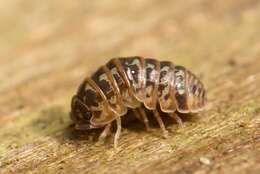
x=113, y=100
x=180, y=82
x=153, y=74
x=114, y=71
x=135, y=62
x=149, y=65
x=103, y=77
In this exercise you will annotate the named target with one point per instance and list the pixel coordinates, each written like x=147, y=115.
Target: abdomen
x=132, y=81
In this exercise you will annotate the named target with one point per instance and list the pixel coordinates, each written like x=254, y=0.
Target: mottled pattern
x=122, y=84
x=191, y=98
x=90, y=104
x=133, y=68
x=107, y=85
x=180, y=89
x=152, y=74
x=199, y=95
x=129, y=82
x=91, y=97
x=196, y=93
x=81, y=113
x=104, y=83
x=165, y=93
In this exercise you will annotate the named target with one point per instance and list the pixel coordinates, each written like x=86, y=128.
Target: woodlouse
x=129, y=82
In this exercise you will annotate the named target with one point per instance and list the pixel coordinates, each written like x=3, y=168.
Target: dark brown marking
x=103, y=82
x=132, y=67
x=180, y=88
x=127, y=92
x=152, y=68
x=134, y=70
x=92, y=96
x=165, y=89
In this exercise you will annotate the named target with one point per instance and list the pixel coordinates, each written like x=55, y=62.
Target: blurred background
x=48, y=47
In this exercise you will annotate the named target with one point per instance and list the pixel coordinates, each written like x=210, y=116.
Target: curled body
x=131, y=83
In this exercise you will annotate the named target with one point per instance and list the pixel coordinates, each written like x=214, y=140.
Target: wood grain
x=48, y=47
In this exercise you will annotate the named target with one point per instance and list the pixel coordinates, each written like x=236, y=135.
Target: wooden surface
x=48, y=47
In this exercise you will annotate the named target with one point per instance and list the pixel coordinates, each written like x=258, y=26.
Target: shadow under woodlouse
x=129, y=122
x=56, y=120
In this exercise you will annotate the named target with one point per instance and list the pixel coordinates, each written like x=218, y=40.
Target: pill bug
x=131, y=83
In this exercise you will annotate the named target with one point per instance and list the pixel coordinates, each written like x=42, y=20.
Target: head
x=80, y=114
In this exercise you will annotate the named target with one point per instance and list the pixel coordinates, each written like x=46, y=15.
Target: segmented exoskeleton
x=132, y=82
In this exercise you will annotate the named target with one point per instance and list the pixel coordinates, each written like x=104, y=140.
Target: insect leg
x=137, y=114
x=161, y=124
x=145, y=119
x=105, y=133
x=140, y=114
x=177, y=119
x=82, y=127
x=118, y=132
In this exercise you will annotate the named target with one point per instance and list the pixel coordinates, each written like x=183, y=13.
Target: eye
x=87, y=115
